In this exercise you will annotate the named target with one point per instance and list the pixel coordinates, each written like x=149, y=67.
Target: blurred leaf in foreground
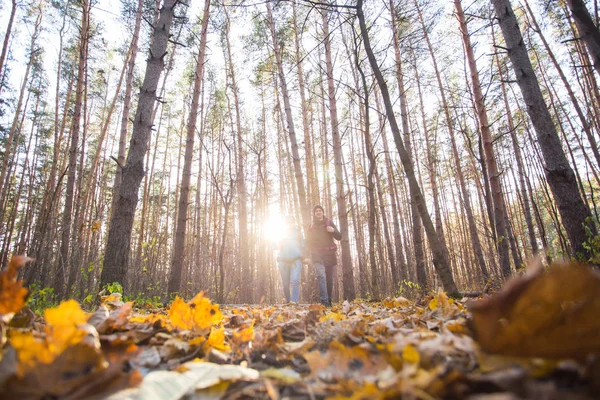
x=65, y=328
x=12, y=292
x=551, y=314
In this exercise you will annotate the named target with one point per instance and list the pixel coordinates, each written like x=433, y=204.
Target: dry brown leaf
x=552, y=314
x=341, y=363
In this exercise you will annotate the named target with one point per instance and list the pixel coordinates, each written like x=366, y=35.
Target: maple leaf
x=198, y=315
x=12, y=292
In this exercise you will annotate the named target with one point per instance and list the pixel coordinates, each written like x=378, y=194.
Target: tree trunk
x=432, y=156
x=14, y=127
x=439, y=260
x=184, y=195
x=63, y=261
x=7, y=34
x=416, y=223
x=348, y=275
x=311, y=179
x=399, y=269
x=573, y=211
x=587, y=30
x=290, y=122
x=369, y=149
x=119, y=235
x=133, y=49
x=520, y=166
x=584, y=123
x=490, y=158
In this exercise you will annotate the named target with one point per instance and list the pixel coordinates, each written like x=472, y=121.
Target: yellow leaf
x=180, y=314
x=62, y=331
x=457, y=326
x=197, y=315
x=197, y=341
x=433, y=304
x=410, y=354
x=216, y=339
x=29, y=350
x=148, y=319
x=243, y=335
x=12, y=292
x=332, y=316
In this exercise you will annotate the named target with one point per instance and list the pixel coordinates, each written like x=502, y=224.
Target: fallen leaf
x=198, y=315
x=551, y=315
x=243, y=335
x=216, y=340
x=66, y=326
x=171, y=385
x=341, y=362
x=12, y=292
x=410, y=354
x=285, y=375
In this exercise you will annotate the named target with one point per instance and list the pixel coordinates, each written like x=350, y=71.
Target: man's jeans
x=325, y=280
x=290, y=276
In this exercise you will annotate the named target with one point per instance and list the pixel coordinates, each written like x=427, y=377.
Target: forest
x=157, y=146
x=154, y=155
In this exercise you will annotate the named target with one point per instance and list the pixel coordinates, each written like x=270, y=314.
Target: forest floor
x=536, y=338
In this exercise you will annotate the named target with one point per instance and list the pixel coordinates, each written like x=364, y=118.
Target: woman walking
x=289, y=260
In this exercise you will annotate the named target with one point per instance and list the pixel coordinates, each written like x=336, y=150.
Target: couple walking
x=319, y=247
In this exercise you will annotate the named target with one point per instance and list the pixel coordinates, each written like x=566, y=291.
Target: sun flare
x=275, y=227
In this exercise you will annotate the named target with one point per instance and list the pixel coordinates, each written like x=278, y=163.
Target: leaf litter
x=537, y=337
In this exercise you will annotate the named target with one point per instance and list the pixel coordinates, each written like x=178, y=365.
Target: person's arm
x=337, y=235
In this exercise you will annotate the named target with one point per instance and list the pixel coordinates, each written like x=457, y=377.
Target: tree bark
x=587, y=30
x=348, y=275
x=417, y=235
x=574, y=213
x=311, y=181
x=63, y=262
x=304, y=209
x=7, y=34
x=119, y=235
x=490, y=158
x=520, y=166
x=439, y=260
x=184, y=194
x=133, y=49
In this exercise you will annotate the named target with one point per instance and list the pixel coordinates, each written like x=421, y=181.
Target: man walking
x=322, y=250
